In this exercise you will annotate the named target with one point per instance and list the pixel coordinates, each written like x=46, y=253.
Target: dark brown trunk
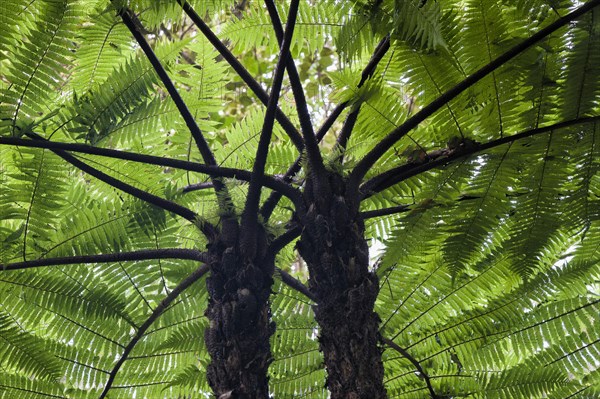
x=336, y=252
x=240, y=326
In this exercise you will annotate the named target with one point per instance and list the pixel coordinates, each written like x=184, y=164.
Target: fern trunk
x=336, y=252
x=240, y=319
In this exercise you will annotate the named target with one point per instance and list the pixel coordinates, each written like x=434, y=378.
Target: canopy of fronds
x=489, y=269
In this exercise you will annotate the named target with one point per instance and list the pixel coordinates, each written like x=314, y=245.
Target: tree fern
x=163, y=236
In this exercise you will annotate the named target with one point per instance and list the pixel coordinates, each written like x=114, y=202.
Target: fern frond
x=104, y=45
x=581, y=82
x=41, y=183
x=297, y=369
x=40, y=65
x=22, y=351
x=102, y=109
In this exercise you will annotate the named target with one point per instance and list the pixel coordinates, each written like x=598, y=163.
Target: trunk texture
x=337, y=254
x=240, y=318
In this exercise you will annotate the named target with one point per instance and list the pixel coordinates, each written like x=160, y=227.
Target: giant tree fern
x=188, y=190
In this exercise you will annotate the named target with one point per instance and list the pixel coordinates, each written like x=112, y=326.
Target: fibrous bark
x=239, y=317
x=336, y=252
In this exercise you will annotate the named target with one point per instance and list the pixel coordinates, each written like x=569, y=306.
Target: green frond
x=297, y=368
x=581, y=81
x=482, y=211
x=316, y=23
x=35, y=187
x=23, y=351
x=101, y=110
x=535, y=383
x=13, y=14
x=242, y=140
x=18, y=386
x=489, y=276
x=167, y=346
x=581, y=203
x=536, y=221
x=39, y=66
x=191, y=377
x=104, y=44
x=416, y=23
x=98, y=225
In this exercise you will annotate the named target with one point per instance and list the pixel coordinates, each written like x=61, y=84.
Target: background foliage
x=490, y=279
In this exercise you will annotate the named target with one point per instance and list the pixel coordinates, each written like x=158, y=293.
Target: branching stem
x=380, y=51
x=346, y=132
x=403, y=172
x=296, y=284
x=146, y=254
x=386, y=143
x=256, y=88
x=271, y=182
x=284, y=239
x=120, y=185
x=382, y=48
x=250, y=214
x=201, y=143
x=312, y=146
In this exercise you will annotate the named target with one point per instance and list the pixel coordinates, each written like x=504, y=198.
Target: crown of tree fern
x=316, y=199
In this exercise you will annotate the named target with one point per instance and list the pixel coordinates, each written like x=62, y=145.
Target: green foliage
x=490, y=279
x=40, y=64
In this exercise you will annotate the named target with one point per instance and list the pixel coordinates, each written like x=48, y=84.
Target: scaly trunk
x=337, y=254
x=240, y=319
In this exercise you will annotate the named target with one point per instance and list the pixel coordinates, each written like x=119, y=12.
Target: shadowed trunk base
x=240, y=326
x=337, y=255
